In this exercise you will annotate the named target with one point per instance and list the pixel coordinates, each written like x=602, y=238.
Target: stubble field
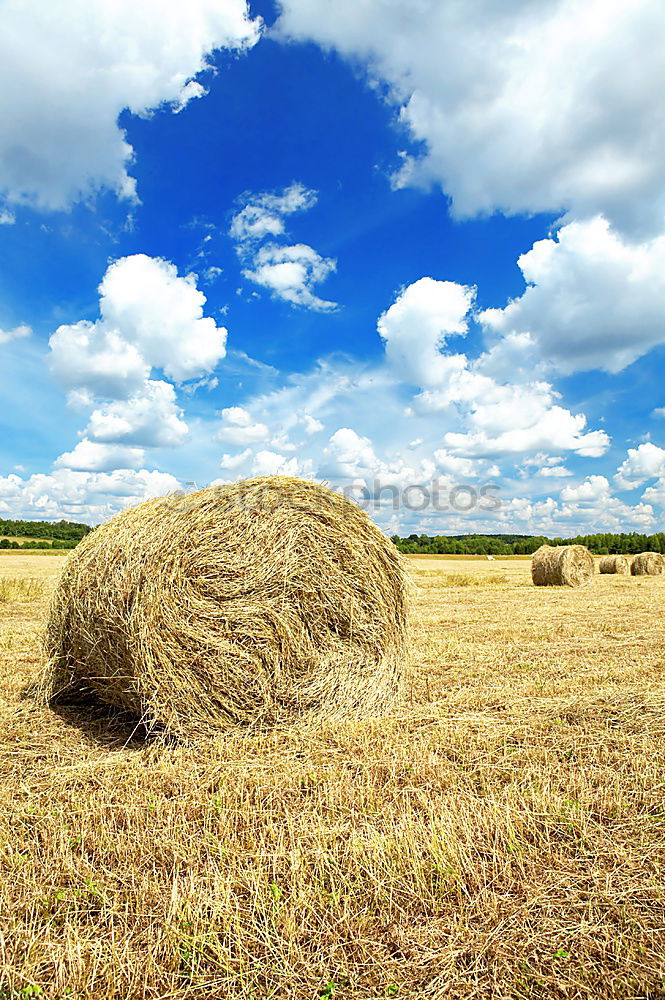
x=500, y=835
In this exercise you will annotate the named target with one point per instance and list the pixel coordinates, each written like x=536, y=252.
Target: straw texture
x=561, y=566
x=251, y=604
x=615, y=564
x=648, y=564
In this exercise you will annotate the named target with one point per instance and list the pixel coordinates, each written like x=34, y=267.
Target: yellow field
x=501, y=835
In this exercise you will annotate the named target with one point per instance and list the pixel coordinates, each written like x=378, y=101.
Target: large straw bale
x=561, y=566
x=252, y=604
x=648, y=564
x=615, y=564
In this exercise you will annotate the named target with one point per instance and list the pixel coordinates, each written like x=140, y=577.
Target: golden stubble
x=500, y=834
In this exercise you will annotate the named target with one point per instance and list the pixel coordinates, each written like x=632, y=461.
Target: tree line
x=514, y=545
x=62, y=534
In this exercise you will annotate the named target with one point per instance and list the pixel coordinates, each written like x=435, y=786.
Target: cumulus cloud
x=290, y=274
x=352, y=454
x=91, y=456
x=149, y=318
x=270, y=463
x=500, y=417
x=593, y=300
x=549, y=517
x=555, y=428
x=69, y=67
x=232, y=462
x=240, y=428
x=151, y=418
x=647, y=461
x=419, y=413
x=416, y=326
x=89, y=358
x=18, y=333
x=591, y=490
x=162, y=314
x=519, y=107
x=76, y=495
x=289, y=271
x=555, y=472
x=263, y=214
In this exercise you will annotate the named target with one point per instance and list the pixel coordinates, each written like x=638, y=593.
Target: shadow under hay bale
x=253, y=604
x=615, y=564
x=648, y=564
x=561, y=566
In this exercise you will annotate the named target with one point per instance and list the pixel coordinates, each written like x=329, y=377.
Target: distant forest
x=513, y=545
x=67, y=534
x=61, y=534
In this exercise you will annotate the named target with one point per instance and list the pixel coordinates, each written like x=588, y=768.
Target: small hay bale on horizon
x=615, y=564
x=258, y=603
x=561, y=566
x=648, y=564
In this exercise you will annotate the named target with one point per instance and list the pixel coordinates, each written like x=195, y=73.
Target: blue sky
x=378, y=244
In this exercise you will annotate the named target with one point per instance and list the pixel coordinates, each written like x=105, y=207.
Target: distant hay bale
x=561, y=566
x=615, y=564
x=648, y=564
x=261, y=602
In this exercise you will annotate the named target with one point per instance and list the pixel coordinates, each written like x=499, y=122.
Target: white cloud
x=555, y=472
x=497, y=417
x=655, y=494
x=554, y=428
x=548, y=517
x=69, y=67
x=232, y=462
x=522, y=107
x=647, y=461
x=17, y=333
x=462, y=468
x=592, y=489
x=289, y=272
x=190, y=92
x=416, y=326
x=91, y=456
x=239, y=428
x=162, y=313
x=7, y=218
x=151, y=418
x=149, y=318
x=263, y=214
x=593, y=301
x=270, y=463
x=90, y=358
x=311, y=424
x=81, y=496
x=352, y=453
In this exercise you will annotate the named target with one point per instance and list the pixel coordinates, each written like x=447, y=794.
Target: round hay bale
x=615, y=564
x=561, y=566
x=648, y=564
x=258, y=603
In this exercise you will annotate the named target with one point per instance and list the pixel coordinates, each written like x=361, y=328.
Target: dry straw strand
x=561, y=566
x=648, y=564
x=615, y=564
x=252, y=604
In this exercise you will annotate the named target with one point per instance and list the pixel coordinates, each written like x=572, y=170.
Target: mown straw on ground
x=500, y=835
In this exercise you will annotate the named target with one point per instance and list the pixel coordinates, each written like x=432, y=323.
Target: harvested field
x=500, y=834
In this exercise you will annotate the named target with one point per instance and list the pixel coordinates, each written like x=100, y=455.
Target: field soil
x=500, y=835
